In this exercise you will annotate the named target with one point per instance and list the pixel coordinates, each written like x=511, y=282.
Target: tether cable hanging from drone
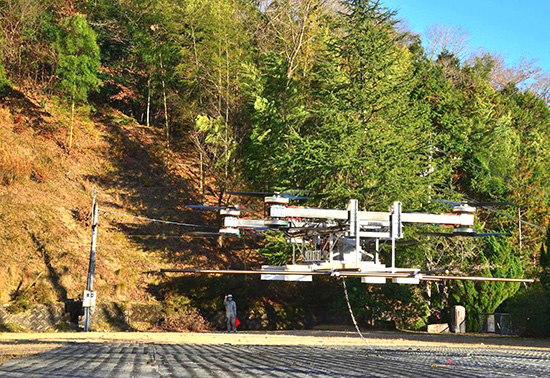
x=353, y=317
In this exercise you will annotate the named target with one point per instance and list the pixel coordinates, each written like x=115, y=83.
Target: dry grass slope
x=45, y=204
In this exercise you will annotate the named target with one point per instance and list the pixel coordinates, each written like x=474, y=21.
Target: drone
x=332, y=242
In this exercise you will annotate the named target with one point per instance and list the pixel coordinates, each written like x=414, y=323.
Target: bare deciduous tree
x=518, y=73
x=453, y=39
x=541, y=86
x=409, y=37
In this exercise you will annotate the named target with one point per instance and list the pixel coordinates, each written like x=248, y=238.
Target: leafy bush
x=21, y=302
x=181, y=316
x=276, y=249
x=11, y=327
x=531, y=312
x=5, y=84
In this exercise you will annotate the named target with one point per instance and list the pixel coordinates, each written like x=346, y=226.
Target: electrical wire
x=353, y=317
x=158, y=220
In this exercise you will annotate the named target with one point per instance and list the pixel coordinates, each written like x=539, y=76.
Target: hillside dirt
x=15, y=345
x=46, y=191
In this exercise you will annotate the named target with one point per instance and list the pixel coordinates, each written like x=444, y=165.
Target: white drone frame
x=362, y=225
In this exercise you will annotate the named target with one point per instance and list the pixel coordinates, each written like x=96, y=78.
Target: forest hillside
x=156, y=105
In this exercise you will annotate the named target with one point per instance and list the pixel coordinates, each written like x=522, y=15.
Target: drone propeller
x=473, y=203
x=406, y=242
x=397, y=242
x=313, y=229
x=492, y=234
x=232, y=207
x=217, y=234
x=470, y=235
x=291, y=194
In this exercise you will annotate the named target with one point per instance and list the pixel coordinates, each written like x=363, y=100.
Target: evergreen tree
x=496, y=258
x=353, y=131
x=544, y=262
x=78, y=62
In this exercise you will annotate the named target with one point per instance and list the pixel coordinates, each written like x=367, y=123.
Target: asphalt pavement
x=144, y=360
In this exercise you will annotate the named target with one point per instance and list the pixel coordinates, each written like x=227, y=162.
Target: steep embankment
x=46, y=196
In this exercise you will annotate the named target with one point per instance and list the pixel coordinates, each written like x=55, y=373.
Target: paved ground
x=154, y=359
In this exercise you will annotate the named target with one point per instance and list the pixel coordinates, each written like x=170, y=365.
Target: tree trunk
x=149, y=100
x=165, y=107
x=72, y=123
x=166, y=115
x=201, y=176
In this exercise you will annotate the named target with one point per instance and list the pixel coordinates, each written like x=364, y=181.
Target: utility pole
x=89, y=295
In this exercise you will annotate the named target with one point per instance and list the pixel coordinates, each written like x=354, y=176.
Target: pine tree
x=497, y=258
x=352, y=131
x=78, y=62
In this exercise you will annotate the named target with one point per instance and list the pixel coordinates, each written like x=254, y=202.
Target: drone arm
x=371, y=216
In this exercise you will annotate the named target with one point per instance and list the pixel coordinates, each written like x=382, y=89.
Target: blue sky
x=511, y=28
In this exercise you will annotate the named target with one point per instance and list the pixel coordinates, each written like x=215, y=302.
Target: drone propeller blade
x=228, y=207
x=299, y=191
x=310, y=231
x=250, y=194
x=476, y=235
x=492, y=234
x=290, y=196
x=447, y=234
x=259, y=228
x=204, y=207
x=293, y=194
x=313, y=228
x=225, y=235
x=406, y=242
x=202, y=233
x=490, y=203
x=474, y=203
x=446, y=202
x=387, y=242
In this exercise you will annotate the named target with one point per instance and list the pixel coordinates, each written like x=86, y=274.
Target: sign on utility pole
x=89, y=294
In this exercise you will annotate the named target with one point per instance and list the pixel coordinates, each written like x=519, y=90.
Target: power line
x=157, y=220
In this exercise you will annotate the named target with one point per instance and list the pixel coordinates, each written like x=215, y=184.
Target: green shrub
x=176, y=303
x=20, y=303
x=5, y=84
x=531, y=312
x=276, y=249
x=12, y=327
